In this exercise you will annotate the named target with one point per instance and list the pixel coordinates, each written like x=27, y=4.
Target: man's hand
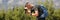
x=25, y=8
x=35, y=14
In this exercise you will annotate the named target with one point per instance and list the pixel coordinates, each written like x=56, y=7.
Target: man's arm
x=36, y=12
x=27, y=10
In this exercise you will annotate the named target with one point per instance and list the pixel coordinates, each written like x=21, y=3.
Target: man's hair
x=26, y=4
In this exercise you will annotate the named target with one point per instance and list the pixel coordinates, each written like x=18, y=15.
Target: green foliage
x=19, y=14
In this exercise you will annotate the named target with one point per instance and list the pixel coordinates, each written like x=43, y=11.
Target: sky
x=57, y=4
x=11, y=3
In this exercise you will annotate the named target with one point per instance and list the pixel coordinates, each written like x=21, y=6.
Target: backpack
x=41, y=10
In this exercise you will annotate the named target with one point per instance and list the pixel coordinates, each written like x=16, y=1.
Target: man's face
x=29, y=5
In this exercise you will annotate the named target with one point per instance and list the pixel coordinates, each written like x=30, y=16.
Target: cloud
x=10, y=1
x=57, y=4
x=56, y=1
x=0, y=1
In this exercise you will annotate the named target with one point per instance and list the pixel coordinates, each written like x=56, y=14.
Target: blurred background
x=14, y=9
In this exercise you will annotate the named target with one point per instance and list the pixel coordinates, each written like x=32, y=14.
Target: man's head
x=29, y=5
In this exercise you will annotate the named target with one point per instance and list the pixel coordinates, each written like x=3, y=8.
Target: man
x=35, y=11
